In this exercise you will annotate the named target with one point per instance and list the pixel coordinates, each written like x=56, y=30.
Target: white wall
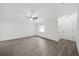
x=12, y=30
x=12, y=23
x=50, y=29
x=78, y=28
x=50, y=16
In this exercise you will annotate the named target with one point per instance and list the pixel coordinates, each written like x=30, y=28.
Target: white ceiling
x=17, y=11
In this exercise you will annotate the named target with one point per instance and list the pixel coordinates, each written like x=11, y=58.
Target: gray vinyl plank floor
x=33, y=46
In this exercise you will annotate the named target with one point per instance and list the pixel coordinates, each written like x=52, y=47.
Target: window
x=41, y=28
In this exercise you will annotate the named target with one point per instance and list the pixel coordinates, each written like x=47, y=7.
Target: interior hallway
x=37, y=46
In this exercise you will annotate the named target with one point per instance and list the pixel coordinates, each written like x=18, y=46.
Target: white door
x=67, y=27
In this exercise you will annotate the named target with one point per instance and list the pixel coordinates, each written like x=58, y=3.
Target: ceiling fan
x=31, y=16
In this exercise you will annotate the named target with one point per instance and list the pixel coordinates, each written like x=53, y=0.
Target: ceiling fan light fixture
x=35, y=18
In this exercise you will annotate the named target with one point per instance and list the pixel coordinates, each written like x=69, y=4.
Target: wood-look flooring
x=36, y=46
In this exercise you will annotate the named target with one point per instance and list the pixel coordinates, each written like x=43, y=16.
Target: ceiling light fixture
x=31, y=15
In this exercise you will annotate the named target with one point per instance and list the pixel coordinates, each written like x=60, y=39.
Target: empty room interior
x=39, y=29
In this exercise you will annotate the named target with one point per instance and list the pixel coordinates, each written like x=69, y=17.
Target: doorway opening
x=67, y=26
